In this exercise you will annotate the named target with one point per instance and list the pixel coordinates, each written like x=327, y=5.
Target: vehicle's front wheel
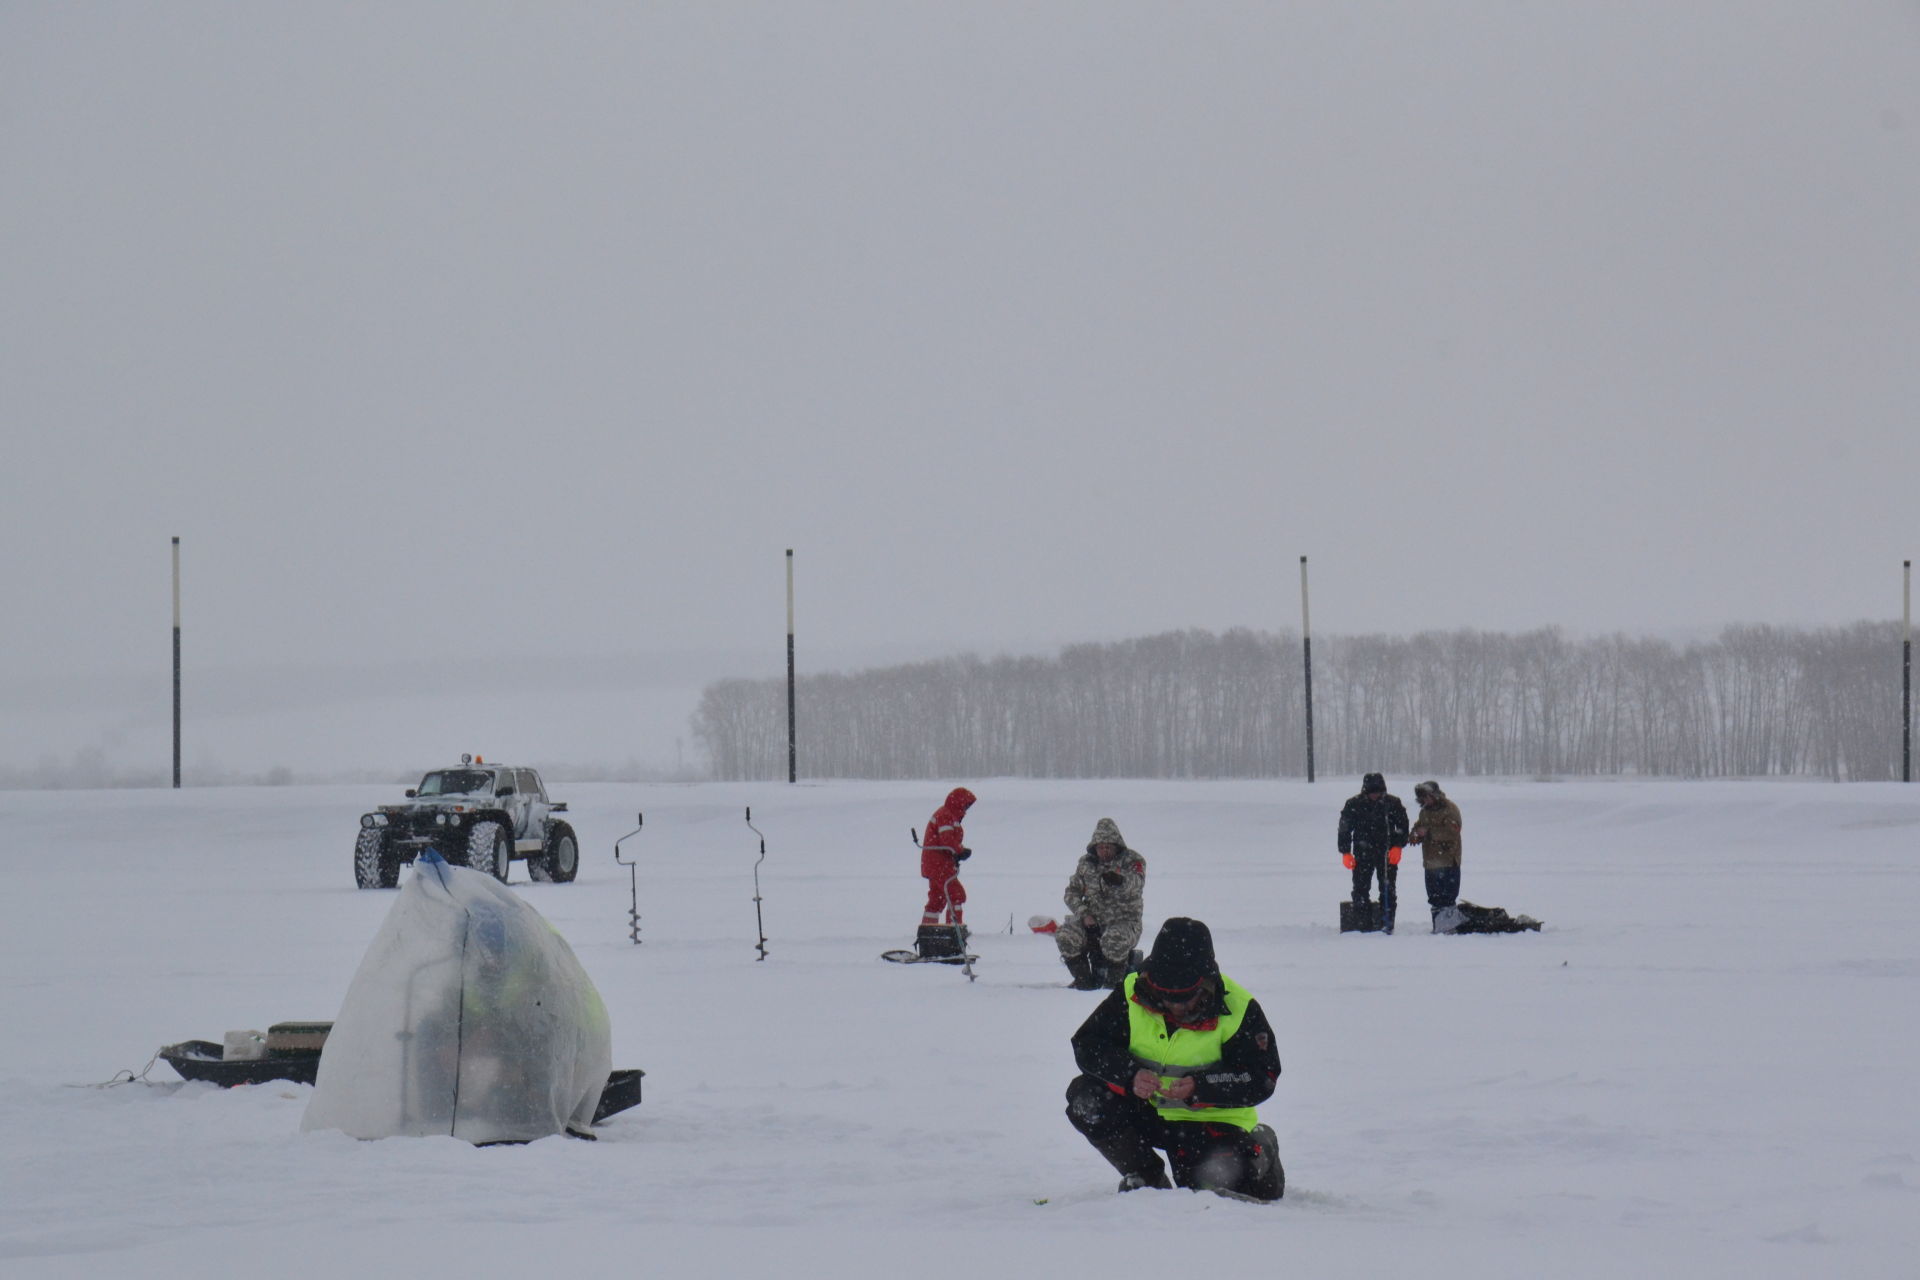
x=373, y=866
x=560, y=860
x=488, y=851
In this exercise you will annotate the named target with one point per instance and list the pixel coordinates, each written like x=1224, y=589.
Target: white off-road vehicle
x=479, y=815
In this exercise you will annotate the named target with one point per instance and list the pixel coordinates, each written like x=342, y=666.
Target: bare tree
x=1755, y=701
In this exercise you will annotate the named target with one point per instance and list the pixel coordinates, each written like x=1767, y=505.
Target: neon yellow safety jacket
x=1187, y=1051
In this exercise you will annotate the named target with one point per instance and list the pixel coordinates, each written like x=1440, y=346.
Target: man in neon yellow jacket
x=1177, y=1058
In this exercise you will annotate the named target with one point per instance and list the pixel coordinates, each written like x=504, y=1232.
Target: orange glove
x=1346, y=860
x=1393, y=856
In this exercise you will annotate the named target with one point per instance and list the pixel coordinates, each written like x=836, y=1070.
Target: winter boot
x=1135, y=1181
x=1112, y=974
x=1138, y=1164
x=1266, y=1178
x=1081, y=967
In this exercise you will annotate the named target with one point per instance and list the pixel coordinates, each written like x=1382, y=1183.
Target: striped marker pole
x=176, y=664
x=793, y=742
x=1306, y=653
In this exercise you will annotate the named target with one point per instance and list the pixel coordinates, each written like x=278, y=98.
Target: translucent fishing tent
x=468, y=1016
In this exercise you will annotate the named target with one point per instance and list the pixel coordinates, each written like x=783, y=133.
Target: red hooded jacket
x=944, y=835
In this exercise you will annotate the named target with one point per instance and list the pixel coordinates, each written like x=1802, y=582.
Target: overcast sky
x=535, y=334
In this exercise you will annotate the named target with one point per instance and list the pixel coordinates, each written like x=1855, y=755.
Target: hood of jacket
x=1106, y=831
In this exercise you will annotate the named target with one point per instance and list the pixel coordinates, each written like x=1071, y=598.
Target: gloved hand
x=1113, y=878
x=1393, y=856
x=1346, y=860
x=963, y=855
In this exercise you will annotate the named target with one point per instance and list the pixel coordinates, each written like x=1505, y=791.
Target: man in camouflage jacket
x=1104, y=902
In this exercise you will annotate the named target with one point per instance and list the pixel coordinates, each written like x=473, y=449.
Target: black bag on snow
x=1466, y=917
x=1366, y=917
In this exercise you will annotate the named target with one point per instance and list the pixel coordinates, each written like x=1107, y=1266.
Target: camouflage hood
x=1106, y=831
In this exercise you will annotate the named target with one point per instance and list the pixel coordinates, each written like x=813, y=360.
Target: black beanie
x=1182, y=956
x=1371, y=783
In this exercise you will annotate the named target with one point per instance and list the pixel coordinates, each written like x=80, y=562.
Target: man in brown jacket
x=1437, y=832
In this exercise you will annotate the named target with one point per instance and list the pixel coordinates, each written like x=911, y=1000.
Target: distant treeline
x=1754, y=701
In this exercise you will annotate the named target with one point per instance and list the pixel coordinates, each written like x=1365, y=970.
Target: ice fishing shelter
x=469, y=1016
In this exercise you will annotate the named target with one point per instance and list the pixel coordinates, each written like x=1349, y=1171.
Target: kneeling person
x=1176, y=1059
x=1103, y=900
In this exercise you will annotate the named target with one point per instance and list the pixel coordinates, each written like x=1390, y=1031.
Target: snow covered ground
x=1703, y=1066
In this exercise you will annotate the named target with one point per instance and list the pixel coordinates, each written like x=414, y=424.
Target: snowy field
x=1705, y=1065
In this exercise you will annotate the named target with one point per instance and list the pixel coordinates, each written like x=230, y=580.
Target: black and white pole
x=1306, y=656
x=1906, y=677
x=176, y=664
x=793, y=741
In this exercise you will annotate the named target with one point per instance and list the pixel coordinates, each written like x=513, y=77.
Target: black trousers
x=1205, y=1157
x=1368, y=865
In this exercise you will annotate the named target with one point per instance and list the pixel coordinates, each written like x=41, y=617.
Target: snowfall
x=1704, y=1065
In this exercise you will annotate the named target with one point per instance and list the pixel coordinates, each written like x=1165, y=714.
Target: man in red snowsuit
x=942, y=850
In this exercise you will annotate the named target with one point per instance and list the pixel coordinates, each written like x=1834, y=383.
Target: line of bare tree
x=1753, y=701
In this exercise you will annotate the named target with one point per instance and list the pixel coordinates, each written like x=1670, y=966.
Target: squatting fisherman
x=1175, y=1060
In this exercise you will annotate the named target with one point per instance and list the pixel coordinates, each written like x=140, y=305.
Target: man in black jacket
x=1373, y=828
x=1176, y=1058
